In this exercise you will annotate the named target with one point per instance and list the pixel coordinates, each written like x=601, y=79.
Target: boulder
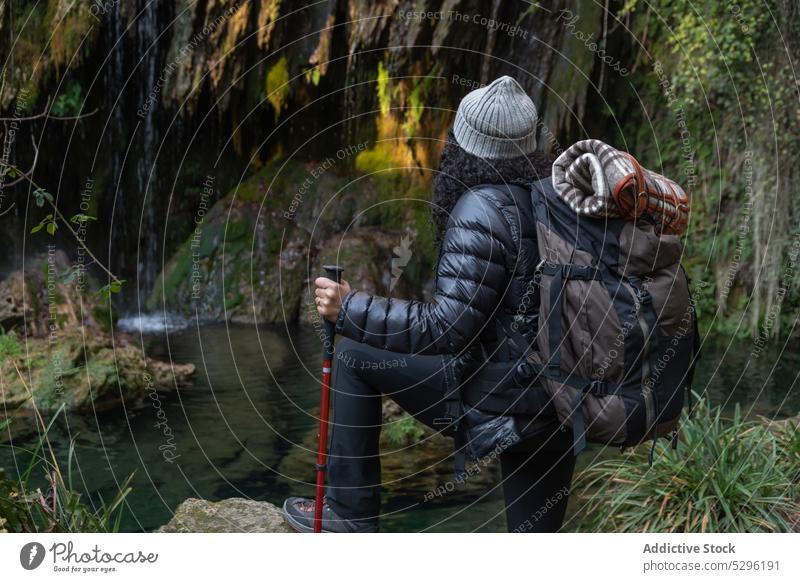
x=57, y=348
x=234, y=515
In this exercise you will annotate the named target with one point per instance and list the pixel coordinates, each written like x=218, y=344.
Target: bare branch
x=23, y=175
x=46, y=114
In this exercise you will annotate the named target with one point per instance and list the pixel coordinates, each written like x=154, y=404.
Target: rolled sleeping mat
x=597, y=180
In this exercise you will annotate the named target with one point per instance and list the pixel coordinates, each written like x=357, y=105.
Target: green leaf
x=80, y=217
x=113, y=287
x=71, y=276
x=41, y=195
x=69, y=102
x=51, y=228
x=42, y=224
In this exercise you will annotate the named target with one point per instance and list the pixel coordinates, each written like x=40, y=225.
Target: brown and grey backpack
x=617, y=328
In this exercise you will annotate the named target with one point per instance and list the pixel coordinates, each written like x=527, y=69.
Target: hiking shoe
x=299, y=514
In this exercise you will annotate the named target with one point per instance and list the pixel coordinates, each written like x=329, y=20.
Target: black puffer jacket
x=483, y=281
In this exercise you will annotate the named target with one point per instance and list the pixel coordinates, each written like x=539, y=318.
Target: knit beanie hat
x=497, y=121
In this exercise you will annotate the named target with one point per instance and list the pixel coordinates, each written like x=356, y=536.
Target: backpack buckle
x=524, y=370
x=596, y=388
x=642, y=295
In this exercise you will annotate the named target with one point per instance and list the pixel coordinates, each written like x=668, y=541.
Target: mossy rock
x=236, y=266
x=81, y=372
x=234, y=515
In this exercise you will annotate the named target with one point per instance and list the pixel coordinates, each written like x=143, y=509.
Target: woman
x=483, y=316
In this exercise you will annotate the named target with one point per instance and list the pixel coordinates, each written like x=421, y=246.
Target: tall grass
x=58, y=507
x=726, y=475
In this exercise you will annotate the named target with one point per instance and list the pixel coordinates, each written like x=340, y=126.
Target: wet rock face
x=227, y=516
x=36, y=300
x=264, y=76
x=253, y=256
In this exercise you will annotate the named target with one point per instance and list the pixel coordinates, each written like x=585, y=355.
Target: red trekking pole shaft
x=334, y=273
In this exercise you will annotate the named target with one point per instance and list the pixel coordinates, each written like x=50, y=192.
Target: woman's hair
x=459, y=171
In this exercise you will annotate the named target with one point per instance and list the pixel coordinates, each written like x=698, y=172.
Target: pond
x=245, y=428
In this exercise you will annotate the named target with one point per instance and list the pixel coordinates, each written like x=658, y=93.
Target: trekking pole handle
x=334, y=273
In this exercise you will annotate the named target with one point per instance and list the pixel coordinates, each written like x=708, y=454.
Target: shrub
x=726, y=475
x=404, y=431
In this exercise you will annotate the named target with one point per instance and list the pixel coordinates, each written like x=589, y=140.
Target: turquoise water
x=239, y=429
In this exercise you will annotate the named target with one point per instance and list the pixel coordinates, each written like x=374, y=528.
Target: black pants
x=535, y=484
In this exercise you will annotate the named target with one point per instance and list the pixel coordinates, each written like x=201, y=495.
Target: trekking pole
x=334, y=273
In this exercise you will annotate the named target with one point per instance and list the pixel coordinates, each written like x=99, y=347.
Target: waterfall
x=116, y=135
x=132, y=137
x=146, y=182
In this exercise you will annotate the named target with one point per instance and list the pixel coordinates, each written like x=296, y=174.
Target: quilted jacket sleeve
x=471, y=279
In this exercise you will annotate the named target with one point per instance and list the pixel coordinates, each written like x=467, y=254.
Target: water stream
x=242, y=429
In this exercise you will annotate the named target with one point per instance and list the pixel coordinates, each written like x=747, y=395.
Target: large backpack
x=617, y=327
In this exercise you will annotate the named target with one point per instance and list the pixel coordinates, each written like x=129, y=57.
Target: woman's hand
x=329, y=295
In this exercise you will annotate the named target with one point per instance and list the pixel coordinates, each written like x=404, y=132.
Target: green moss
x=70, y=31
x=51, y=391
x=384, y=97
x=42, y=35
x=238, y=231
x=373, y=160
x=416, y=100
x=278, y=85
x=177, y=274
x=388, y=180
x=105, y=315
x=404, y=432
x=103, y=373
x=281, y=178
x=234, y=301
x=9, y=346
x=274, y=241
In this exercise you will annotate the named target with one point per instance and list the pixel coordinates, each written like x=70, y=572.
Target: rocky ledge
x=58, y=346
x=234, y=515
